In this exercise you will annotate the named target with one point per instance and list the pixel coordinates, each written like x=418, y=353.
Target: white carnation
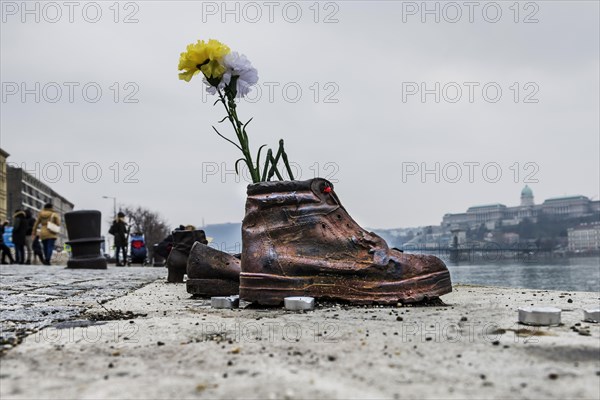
x=236, y=65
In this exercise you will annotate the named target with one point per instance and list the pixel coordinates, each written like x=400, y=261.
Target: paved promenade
x=33, y=297
x=154, y=341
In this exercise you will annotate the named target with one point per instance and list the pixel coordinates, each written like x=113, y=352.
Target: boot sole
x=268, y=289
x=212, y=287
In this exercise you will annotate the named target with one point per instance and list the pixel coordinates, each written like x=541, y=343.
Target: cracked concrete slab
x=182, y=348
x=33, y=297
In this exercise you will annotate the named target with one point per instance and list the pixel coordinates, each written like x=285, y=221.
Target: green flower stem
x=228, y=101
x=230, y=107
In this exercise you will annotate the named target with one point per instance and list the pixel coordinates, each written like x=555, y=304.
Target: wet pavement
x=35, y=296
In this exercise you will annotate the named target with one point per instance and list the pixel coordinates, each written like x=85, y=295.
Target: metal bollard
x=157, y=260
x=83, y=227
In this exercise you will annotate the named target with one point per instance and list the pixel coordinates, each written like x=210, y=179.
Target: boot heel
x=212, y=287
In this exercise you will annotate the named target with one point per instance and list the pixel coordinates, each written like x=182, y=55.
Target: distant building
x=570, y=206
x=510, y=238
x=494, y=215
x=459, y=237
x=527, y=197
x=27, y=192
x=3, y=185
x=432, y=237
x=584, y=238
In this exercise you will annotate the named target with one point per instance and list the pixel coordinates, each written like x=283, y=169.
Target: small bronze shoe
x=298, y=240
x=178, y=257
x=212, y=272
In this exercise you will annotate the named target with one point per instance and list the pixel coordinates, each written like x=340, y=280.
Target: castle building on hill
x=494, y=215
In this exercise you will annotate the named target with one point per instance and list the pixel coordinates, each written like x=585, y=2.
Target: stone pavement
x=174, y=346
x=33, y=297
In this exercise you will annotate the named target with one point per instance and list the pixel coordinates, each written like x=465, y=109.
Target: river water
x=569, y=274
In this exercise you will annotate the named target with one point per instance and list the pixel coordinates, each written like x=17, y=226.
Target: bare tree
x=150, y=223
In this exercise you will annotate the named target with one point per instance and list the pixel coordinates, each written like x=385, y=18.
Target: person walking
x=30, y=221
x=18, y=235
x=49, y=222
x=119, y=230
x=3, y=247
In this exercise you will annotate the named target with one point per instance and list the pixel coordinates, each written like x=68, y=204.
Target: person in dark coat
x=18, y=235
x=3, y=247
x=119, y=231
x=30, y=221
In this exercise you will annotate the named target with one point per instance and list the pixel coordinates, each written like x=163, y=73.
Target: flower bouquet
x=230, y=75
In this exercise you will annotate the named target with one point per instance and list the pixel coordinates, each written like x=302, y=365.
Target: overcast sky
x=518, y=98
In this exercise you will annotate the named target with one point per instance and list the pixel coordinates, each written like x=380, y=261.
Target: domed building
x=494, y=215
x=526, y=197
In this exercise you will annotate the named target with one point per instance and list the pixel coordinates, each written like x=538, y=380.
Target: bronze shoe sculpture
x=183, y=240
x=212, y=272
x=298, y=240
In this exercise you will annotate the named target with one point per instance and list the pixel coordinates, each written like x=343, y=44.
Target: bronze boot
x=178, y=257
x=212, y=272
x=298, y=240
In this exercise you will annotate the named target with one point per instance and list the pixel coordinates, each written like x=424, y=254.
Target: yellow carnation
x=205, y=57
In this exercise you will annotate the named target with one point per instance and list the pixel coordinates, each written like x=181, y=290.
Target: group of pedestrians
x=32, y=237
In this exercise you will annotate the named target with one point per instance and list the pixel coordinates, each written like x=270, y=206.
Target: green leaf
x=285, y=160
x=229, y=140
x=246, y=124
x=274, y=168
x=236, y=164
x=258, y=159
x=269, y=157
